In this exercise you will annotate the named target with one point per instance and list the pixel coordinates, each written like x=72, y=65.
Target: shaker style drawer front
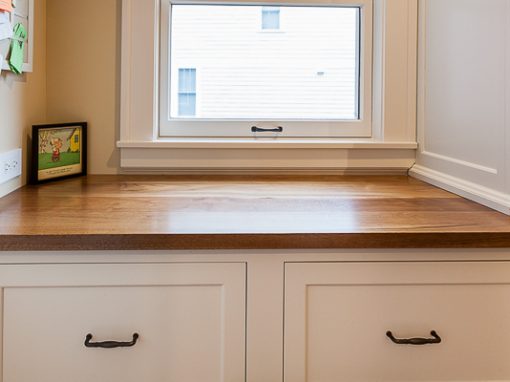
x=190, y=328
x=397, y=322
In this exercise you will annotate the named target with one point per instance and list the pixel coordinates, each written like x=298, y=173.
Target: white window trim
x=393, y=140
x=241, y=128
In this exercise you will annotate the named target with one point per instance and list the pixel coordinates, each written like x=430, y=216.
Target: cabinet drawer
x=337, y=317
x=191, y=326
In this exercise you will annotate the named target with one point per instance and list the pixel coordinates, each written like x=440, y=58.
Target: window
x=270, y=18
x=187, y=92
x=314, y=80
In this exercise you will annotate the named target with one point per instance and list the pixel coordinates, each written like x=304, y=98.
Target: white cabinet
x=337, y=316
x=190, y=319
x=256, y=317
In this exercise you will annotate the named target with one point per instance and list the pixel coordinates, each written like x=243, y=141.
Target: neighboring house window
x=314, y=80
x=187, y=92
x=270, y=18
x=76, y=138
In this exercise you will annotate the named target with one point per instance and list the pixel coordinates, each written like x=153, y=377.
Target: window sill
x=264, y=143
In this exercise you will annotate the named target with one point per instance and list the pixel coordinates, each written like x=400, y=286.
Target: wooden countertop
x=177, y=212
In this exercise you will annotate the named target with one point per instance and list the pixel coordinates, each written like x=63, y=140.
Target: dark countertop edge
x=251, y=241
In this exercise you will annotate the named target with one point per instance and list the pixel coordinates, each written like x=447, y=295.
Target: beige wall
x=83, y=72
x=23, y=98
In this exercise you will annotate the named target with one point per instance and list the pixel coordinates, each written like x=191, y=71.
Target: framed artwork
x=58, y=151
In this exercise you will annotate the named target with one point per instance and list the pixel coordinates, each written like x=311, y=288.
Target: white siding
x=306, y=70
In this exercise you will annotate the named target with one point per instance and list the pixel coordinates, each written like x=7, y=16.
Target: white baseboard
x=10, y=186
x=483, y=195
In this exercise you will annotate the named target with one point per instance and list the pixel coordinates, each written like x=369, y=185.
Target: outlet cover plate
x=10, y=165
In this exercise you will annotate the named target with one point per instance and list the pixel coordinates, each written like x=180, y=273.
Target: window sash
x=299, y=128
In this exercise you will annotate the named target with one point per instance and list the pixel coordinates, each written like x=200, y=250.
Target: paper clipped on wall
x=17, y=49
x=4, y=17
x=5, y=26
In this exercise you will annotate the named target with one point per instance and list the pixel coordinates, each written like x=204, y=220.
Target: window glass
x=270, y=18
x=309, y=71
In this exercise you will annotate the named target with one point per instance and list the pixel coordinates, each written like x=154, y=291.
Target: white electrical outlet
x=10, y=165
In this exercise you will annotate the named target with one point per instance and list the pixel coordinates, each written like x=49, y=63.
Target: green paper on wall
x=17, y=49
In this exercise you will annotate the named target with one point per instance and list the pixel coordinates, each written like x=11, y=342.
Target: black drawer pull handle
x=110, y=344
x=415, y=341
x=256, y=129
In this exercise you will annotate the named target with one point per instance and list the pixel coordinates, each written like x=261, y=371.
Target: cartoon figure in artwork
x=56, y=145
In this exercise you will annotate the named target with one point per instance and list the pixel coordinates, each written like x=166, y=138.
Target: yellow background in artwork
x=75, y=141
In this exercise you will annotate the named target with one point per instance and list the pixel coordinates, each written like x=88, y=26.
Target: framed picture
x=58, y=151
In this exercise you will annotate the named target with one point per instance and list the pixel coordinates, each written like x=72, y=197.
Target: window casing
x=186, y=124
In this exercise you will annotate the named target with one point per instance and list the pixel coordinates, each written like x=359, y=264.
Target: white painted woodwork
x=395, y=24
x=463, y=90
x=265, y=319
x=190, y=317
x=287, y=57
x=398, y=43
x=273, y=159
x=146, y=271
x=337, y=316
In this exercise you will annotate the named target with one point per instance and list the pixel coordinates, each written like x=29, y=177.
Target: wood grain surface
x=196, y=212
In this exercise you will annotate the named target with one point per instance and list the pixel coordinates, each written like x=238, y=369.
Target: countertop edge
x=252, y=241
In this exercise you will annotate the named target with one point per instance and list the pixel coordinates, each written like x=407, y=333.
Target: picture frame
x=59, y=151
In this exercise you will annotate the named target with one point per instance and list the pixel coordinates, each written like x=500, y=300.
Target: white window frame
x=241, y=128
